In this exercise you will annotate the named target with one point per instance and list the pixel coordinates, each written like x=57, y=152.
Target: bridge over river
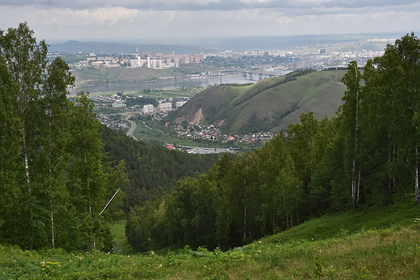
x=249, y=74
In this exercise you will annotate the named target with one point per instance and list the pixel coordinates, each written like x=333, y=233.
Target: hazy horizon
x=186, y=21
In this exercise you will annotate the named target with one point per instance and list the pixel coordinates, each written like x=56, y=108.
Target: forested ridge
x=152, y=170
x=367, y=155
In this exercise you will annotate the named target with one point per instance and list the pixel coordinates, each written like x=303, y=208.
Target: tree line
x=54, y=175
x=367, y=155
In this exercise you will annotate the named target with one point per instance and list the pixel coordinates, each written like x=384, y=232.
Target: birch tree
x=351, y=124
x=10, y=136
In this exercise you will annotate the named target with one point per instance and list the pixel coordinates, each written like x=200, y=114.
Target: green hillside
x=271, y=104
x=374, y=244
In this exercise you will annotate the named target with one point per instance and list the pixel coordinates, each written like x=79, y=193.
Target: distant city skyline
x=184, y=21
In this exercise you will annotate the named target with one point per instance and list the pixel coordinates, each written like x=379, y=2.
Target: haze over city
x=186, y=21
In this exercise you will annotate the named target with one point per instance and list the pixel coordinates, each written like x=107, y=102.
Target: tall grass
x=377, y=244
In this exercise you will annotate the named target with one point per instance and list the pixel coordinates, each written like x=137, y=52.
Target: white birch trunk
x=354, y=185
x=245, y=195
x=416, y=183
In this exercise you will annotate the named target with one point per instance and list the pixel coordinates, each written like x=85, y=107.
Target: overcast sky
x=159, y=19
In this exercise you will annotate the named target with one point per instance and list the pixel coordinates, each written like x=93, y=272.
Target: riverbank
x=165, y=84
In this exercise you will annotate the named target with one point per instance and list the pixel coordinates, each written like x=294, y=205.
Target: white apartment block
x=137, y=62
x=155, y=64
x=148, y=109
x=165, y=107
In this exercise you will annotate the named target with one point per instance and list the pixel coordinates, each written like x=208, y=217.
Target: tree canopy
x=54, y=175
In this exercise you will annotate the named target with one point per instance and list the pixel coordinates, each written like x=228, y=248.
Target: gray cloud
x=191, y=18
x=223, y=5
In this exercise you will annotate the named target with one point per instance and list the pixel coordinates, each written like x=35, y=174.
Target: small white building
x=180, y=103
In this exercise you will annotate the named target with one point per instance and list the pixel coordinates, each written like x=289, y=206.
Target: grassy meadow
x=118, y=231
x=365, y=244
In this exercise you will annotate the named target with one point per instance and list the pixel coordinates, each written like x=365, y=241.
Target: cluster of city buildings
x=160, y=61
x=115, y=101
x=149, y=60
x=212, y=133
x=315, y=57
x=164, y=106
x=115, y=122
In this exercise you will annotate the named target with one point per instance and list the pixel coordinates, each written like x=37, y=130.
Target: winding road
x=132, y=127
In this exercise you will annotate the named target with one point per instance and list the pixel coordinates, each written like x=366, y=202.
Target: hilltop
x=271, y=104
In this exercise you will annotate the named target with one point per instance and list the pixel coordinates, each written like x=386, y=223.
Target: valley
x=317, y=175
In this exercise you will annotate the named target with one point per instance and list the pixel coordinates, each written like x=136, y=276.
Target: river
x=161, y=84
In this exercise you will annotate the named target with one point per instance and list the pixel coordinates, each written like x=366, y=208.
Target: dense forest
x=365, y=156
x=152, y=170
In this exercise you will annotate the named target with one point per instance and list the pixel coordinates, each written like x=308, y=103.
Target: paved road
x=132, y=124
x=198, y=150
x=146, y=125
x=132, y=127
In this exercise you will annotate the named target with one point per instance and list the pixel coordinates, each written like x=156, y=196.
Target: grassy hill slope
x=372, y=244
x=271, y=104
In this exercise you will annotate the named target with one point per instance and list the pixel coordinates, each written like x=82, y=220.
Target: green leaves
x=53, y=179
